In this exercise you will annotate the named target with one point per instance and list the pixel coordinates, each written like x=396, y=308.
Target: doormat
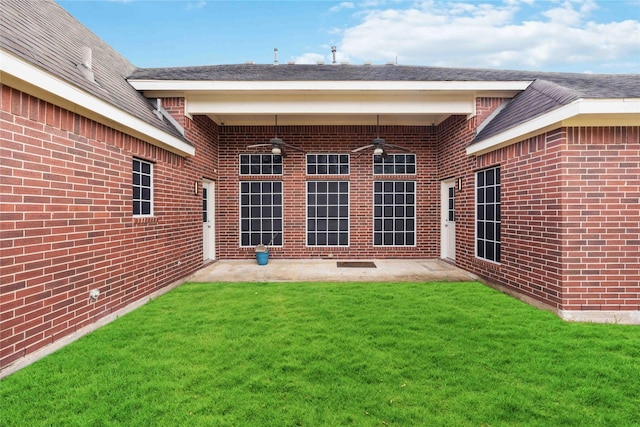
x=357, y=264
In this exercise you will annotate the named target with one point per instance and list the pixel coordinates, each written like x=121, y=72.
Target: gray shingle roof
x=588, y=85
x=547, y=92
x=305, y=72
x=543, y=96
x=539, y=98
x=44, y=34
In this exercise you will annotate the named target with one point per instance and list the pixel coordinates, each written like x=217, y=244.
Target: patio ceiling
x=328, y=102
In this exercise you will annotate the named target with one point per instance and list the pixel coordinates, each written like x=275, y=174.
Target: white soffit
x=326, y=103
x=582, y=112
x=55, y=90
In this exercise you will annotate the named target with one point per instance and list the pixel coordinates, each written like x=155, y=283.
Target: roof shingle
x=588, y=85
x=44, y=34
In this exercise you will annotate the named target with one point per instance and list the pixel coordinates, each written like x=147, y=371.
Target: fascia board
x=36, y=77
x=559, y=117
x=326, y=104
x=324, y=85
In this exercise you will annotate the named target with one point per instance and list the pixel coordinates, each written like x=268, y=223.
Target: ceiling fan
x=277, y=145
x=378, y=144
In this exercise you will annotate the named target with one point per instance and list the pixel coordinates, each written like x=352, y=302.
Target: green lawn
x=334, y=354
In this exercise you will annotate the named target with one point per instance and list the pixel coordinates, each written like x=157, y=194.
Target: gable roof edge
x=104, y=112
x=562, y=116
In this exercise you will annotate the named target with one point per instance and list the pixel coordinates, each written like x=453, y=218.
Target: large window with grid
x=260, y=213
x=488, y=214
x=260, y=164
x=142, y=188
x=394, y=213
x=327, y=164
x=394, y=164
x=327, y=213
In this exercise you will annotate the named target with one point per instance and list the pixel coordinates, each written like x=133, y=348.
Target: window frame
x=328, y=164
x=393, y=206
x=394, y=165
x=141, y=200
x=279, y=235
x=480, y=215
x=339, y=218
x=261, y=165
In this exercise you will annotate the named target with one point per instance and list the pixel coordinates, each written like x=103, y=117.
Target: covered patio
x=328, y=270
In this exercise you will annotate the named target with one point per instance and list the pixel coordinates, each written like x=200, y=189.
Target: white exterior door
x=448, y=220
x=208, y=221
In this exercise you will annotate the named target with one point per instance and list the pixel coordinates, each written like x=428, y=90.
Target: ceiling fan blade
x=258, y=145
x=397, y=147
x=292, y=147
x=364, y=147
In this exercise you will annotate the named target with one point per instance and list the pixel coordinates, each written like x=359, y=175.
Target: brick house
x=127, y=180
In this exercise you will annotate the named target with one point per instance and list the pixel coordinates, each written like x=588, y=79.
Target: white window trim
x=306, y=213
x=475, y=216
x=240, y=245
x=258, y=174
x=152, y=188
x=415, y=218
x=320, y=175
x=373, y=167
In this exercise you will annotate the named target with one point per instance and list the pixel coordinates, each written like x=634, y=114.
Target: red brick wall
x=67, y=224
x=531, y=218
x=454, y=135
x=531, y=258
x=601, y=202
x=329, y=139
x=575, y=192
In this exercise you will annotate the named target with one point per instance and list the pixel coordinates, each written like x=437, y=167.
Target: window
x=394, y=164
x=394, y=213
x=328, y=213
x=142, y=188
x=327, y=164
x=260, y=164
x=488, y=214
x=260, y=213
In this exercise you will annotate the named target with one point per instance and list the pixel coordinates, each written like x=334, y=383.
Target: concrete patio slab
x=287, y=270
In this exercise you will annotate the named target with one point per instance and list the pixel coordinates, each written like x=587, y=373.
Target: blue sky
x=563, y=35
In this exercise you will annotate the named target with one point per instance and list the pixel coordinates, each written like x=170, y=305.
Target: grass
x=341, y=354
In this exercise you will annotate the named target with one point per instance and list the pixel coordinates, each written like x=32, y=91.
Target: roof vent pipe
x=85, y=65
x=86, y=57
x=333, y=51
x=275, y=56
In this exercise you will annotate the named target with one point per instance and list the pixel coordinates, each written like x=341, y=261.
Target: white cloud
x=309, y=58
x=558, y=36
x=341, y=6
x=194, y=5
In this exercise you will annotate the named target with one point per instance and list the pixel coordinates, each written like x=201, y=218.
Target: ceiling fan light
x=276, y=151
x=378, y=151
